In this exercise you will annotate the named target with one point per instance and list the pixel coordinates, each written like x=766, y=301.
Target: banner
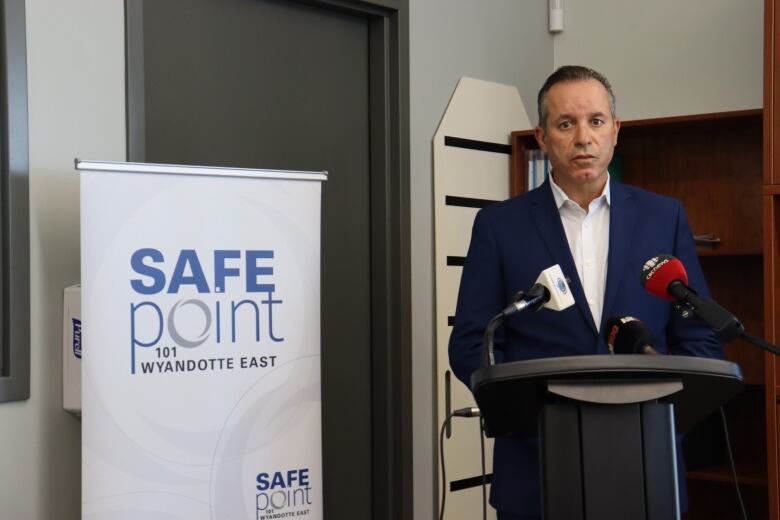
x=201, y=312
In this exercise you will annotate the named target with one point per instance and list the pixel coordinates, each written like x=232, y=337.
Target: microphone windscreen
x=658, y=272
x=626, y=335
x=560, y=295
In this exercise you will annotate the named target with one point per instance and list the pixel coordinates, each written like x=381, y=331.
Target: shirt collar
x=561, y=197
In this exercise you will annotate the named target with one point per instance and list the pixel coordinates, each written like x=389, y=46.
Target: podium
x=606, y=426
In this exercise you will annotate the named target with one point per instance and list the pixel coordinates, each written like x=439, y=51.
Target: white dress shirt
x=588, y=237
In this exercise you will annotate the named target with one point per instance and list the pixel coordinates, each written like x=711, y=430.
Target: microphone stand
x=760, y=343
x=533, y=299
x=726, y=325
x=488, y=358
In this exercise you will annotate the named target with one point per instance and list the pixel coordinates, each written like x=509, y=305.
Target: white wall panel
x=483, y=113
x=453, y=238
x=472, y=173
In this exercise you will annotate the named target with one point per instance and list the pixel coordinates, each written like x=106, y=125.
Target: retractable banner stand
x=201, y=321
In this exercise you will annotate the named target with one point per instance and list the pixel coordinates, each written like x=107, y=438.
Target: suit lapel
x=622, y=215
x=548, y=220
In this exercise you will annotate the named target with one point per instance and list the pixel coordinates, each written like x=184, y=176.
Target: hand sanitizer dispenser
x=71, y=350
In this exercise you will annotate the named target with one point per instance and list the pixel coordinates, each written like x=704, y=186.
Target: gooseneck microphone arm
x=488, y=357
x=551, y=290
x=534, y=298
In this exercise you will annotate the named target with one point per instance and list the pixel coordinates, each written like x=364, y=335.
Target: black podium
x=606, y=426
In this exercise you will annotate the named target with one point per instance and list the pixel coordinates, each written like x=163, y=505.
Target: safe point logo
x=283, y=494
x=180, y=306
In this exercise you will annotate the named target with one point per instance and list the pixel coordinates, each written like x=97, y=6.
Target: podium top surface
x=213, y=171
x=510, y=394
x=606, y=366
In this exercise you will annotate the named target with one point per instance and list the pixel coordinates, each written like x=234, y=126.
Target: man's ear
x=540, y=135
x=617, y=129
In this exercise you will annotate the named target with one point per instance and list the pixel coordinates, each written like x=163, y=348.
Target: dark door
x=277, y=84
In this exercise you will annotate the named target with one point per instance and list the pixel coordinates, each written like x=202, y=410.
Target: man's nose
x=583, y=135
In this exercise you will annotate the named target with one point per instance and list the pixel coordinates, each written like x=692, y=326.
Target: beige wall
x=76, y=109
x=504, y=41
x=668, y=57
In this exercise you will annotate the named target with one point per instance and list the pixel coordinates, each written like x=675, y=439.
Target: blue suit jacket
x=511, y=243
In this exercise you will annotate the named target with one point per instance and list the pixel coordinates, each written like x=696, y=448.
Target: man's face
x=580, y=134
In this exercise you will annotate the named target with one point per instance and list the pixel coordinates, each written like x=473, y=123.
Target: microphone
x=550, y=291
x=664, y=276
x=660, y=273
x=627, y=335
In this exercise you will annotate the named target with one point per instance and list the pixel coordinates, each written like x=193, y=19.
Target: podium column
x=608, y=461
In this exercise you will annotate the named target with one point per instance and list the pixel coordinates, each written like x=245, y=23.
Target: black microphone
x=664, y=276
x=627, y=335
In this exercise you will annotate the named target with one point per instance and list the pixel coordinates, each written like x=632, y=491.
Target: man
x=600, y=233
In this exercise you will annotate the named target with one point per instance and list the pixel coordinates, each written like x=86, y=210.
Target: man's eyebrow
x=570, y=116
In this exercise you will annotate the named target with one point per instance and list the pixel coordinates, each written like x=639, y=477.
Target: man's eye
x=598, y=122
x=564, y=125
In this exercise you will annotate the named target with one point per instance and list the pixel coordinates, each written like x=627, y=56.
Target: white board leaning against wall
x=201, y=388
x=471, y=168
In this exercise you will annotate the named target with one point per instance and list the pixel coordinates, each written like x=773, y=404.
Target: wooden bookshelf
x=712, y=163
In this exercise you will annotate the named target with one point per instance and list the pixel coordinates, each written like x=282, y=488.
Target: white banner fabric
x=201, y=312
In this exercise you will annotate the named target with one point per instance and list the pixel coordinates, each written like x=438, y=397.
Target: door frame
x=14, y=206
x=390, y=261
x=391, y=381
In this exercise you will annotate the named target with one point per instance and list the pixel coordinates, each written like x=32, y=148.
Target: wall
x=76, y=109
x=505, y=41
x=668, y=57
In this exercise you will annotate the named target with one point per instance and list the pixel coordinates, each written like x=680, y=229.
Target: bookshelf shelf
x=723, y=474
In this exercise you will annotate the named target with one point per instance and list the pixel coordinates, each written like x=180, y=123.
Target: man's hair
x=571, y=73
